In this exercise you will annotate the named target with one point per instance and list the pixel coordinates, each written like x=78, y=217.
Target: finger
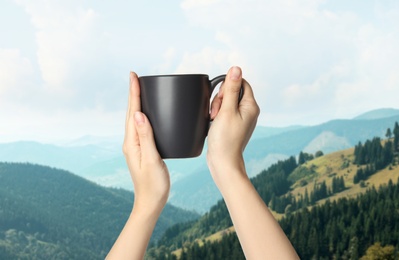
x=248, y=104
x=131, y=138
x=148, y=148
x=248, y=93
x=215, y=106
x=220, y=93
x=135, y=103
x=231, y=89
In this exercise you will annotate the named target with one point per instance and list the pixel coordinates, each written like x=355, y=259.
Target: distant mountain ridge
x=192, y=187
x=378, y=114
x=71, y=158
x=64, y=214
x=292, y=189
x=344, y=134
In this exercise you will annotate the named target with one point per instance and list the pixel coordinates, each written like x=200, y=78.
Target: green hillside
x=101, y=161
x=199, y=191
x=364, y=227
x=335, y=182
x=46, y=213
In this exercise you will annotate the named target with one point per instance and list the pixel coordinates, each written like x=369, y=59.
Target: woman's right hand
x=232, y=127
x=148, y=171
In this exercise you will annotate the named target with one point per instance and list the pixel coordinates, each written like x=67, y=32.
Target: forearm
x=260, y=235
x=135, y=236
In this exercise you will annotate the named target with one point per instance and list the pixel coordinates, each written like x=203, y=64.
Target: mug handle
x=221, y=78
x=215, y=82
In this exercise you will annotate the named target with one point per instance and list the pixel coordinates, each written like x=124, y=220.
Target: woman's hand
x=259, y=233
x=232, y=127
x=150, y=178
x=148, y=171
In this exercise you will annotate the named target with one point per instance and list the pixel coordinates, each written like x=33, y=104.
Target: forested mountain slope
x=46, y=213
x=346, y=191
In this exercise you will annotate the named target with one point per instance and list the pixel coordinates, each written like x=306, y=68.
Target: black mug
x=177, y=107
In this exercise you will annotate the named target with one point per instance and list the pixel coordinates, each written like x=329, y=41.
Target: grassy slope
x=333, y=164
x=325, y=168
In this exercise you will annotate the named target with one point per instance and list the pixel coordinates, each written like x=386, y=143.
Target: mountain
x=378, y=114
x=264, y=131
x=48, y=213
x=111, y=142
x=331, y=207
x=260, y=153
x=347, y=228
x=71, y=158
x=192, y=188
x=100, y=159
x=292, y=142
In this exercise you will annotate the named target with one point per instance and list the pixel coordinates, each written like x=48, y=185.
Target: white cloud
x=188, y=4
x=64, y=43
x=319, y=92
x=169, y=57
x=15, y=71
x=73, y=57
x=308, y=61
x=208, y=60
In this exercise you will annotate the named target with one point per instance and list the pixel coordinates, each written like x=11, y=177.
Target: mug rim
x=174, y=75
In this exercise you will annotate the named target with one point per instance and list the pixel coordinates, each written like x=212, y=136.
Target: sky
x=64, y=65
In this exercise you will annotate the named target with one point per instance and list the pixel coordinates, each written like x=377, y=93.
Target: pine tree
x=396, y=137
x=319, y=153
x=388, y=133
x=301, y=158
x=306, y=200
x=354, y=248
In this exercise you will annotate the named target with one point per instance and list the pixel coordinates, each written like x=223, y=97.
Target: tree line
x=343, y=229
x=273, y=185
x=269, y=183
x=46, y=213
x=288, y=203
x=375, y=155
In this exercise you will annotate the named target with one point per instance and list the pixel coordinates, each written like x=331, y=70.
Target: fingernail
x=139, y=118
x=235, y=73
x=132, y=76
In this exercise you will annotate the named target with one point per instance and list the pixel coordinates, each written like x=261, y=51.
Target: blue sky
x=64, y=64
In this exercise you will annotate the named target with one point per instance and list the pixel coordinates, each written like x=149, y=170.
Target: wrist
x=148, y=208
x=228, y=174
x=235, y=185
x=220, y=161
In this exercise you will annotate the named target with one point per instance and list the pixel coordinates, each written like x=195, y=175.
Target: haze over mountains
x=48, y=213
x=101, y=159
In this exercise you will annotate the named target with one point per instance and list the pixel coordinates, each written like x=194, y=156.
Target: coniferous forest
x=342, y=229
x=364, y=227
x=46, y=213
x=64, y=216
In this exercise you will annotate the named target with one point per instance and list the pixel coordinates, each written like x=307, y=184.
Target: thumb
x=231, y=88
x=146, y=137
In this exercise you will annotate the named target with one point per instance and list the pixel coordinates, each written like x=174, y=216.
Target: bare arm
x=259, y=233
x=150, y=178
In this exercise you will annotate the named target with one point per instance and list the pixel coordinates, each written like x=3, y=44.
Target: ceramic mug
x=177, y=107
